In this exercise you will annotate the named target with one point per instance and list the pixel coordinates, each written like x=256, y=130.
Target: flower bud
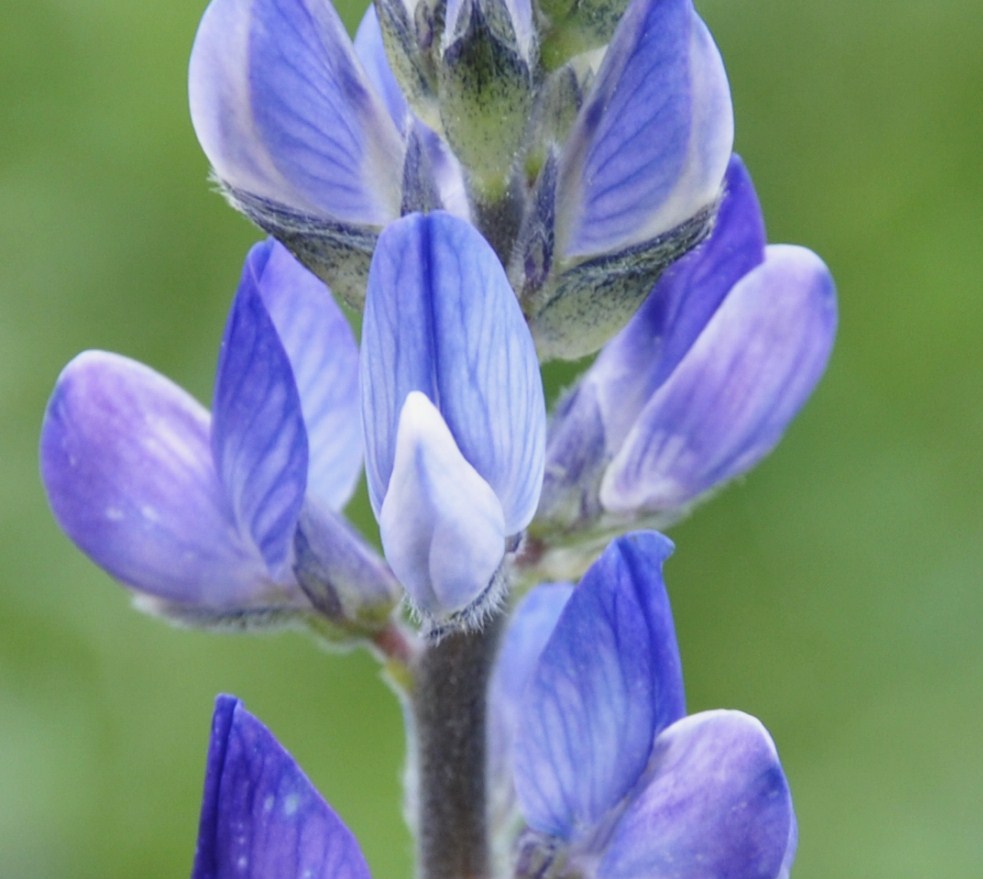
x=700, y=385
x=485, y=81
x=306, y=149
x=637, y=178
x=572, y=27
x=453, y=415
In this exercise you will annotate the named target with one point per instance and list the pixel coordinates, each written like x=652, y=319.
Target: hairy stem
x=449, y=724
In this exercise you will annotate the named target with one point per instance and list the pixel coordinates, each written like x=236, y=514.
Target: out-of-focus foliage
x=836, y=594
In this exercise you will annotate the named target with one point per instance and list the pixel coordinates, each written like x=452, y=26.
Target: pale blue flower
x=224, y=516
x=701, y=384
x=453, y=412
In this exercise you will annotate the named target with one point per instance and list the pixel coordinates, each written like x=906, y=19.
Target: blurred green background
x=836, y=593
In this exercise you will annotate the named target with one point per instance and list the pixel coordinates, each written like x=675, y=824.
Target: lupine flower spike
x=491, y=183
x=323, y=143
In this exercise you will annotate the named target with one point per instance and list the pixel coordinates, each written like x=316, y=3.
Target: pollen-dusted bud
x=485, y=76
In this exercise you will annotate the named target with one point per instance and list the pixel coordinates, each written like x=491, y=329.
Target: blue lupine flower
x=614, y=781
x=453, y=413
x=304, y=138
x=702, y=382
x=218, y=518
x=636, y=179
x=650, y=145
x=286, y=114
x=261, y=818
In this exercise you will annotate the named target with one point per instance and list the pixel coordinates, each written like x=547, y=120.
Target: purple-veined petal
x=323, y=358
x=652, y=141
x=441, y=524
x=529, y=629
x=127, y=466
x=261, y=818
x=716, y=806
x=608, y=681
x=259, y=441
x=441, y=318
x=284, y=112
x=731, y=397
x=639, y=359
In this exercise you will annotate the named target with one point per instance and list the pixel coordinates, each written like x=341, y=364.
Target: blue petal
x=284, y=111
x=441, y=525
x=592, y=423
x=324, y=361
x=651, y=143
x=717, y=806
x=127, y=466
x=732, y=396
x=441, y=318
x=607, y=682
x=261, y=818
x=639, y=359
x=576, y=452
x=258, y=436
x=529, y=629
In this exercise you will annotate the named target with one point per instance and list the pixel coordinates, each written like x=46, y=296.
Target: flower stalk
x=448, y=736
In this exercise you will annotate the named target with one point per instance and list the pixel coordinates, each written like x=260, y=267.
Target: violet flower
x=453, y=412
x=612, y=778
x=261, y=818
x=699, y=386
x=230, y=518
